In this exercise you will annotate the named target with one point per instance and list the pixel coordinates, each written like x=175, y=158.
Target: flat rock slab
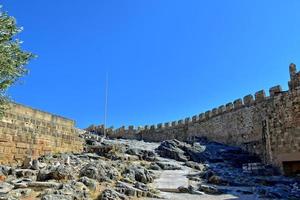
x=178, y=196
x=170, y=180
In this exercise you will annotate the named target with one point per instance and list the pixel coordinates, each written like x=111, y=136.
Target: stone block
x=201, y=116
x=208, y=114
x=238, y=103
x=221, y=109
x=195, y=118
x=159, y=126
x=214, y=112
x=174, y=123
x=248, y=100
x=260, y=96
x=229, y=107
x=275, y=90
x=180, y=122
x=22, y=145
x=187, y=120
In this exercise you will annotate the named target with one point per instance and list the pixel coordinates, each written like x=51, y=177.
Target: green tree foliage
x=12, y=58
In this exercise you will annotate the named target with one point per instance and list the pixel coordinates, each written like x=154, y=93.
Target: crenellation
x=214, y=112
x=238, y=103
x=152, y=127
x=208, y=114
x=202, y=116
x=229, y=107
x=180, y=122
x=275, y=90
x=293, y=70
x=249, y=123
x=187, y=120
x=248, y=100
x=160, y=125
x=260, y=96
x=195, y=118
x=174, y=123
x=167, y=124
x=131, y=128
x=221, y=109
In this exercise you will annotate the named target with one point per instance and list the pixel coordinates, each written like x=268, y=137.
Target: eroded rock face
x=90, y=183
x=221, y=165
x=167, y=166
x=60, y=172
x=138, y=173
x=205, y=151
x=100, y=171
x=5, y=188
x=172, y=149
x=110, y=194
x=71, y=190
x=142, y=154
x=82, y=176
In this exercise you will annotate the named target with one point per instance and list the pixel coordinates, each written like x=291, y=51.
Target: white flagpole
x=106, y=102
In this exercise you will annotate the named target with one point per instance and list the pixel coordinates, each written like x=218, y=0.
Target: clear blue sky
x=166, y=59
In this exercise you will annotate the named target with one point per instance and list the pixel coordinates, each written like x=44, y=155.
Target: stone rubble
x=114, y=170
x=220, y=170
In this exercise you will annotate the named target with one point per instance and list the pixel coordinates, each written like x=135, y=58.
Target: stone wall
x=266, y=125
x=29, y=132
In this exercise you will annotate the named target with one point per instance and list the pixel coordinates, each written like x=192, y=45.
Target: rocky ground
x=124, y=169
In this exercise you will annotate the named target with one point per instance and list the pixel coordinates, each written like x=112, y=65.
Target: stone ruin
x=268, y=126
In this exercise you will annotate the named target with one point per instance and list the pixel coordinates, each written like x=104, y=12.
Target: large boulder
x=172, y=149
x=208, y=189
x=110, y=194
x=142, y=154
x=60, y=172
x=71, y=190
x=205, y=151
x=138, y=173
x=100, y=171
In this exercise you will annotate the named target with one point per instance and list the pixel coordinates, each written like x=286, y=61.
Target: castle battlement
x=265, y=124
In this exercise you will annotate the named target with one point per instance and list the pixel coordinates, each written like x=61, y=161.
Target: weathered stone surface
x=168, y=166
x=51, y=134
x=110, y=194
x=138, y=173
x=20, y=193
x=205, y=151
x=194, y=165
x=71, y=190
x=100, y=171
x=142, y=154
x=267, y=126
x=172, y=149
x=5, y=188
x=90, y=183
x=209, y=189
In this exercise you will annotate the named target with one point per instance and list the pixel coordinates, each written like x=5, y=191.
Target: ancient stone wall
x=266, y=125
x=29, y=132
